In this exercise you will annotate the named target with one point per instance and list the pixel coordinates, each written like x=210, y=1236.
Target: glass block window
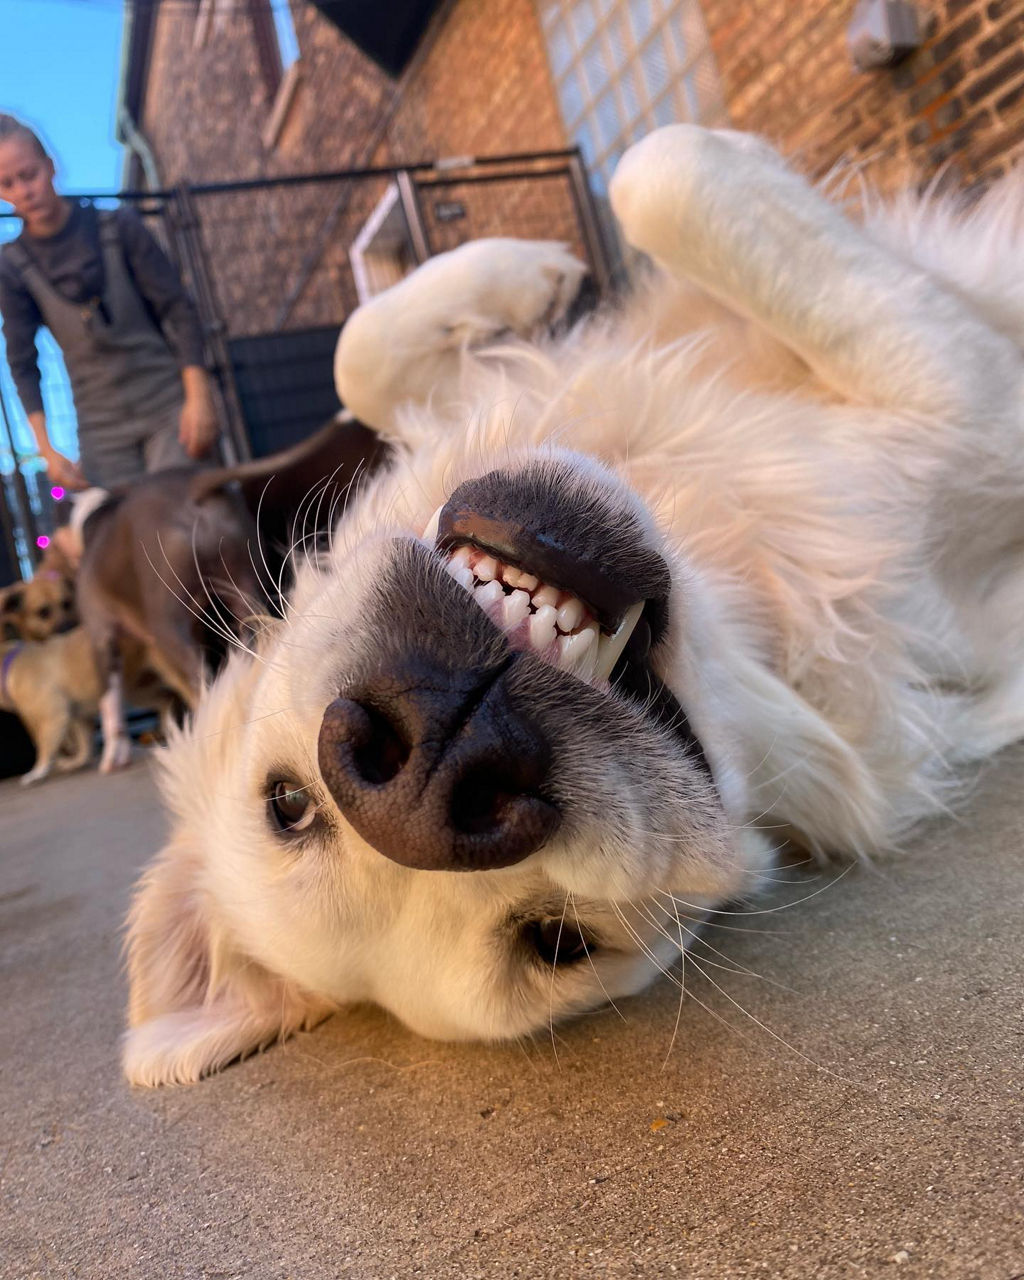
x=624, y=67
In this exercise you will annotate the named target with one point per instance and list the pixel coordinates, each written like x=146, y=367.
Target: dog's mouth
x=548, y=596
x=539, y=617
x=573, y=583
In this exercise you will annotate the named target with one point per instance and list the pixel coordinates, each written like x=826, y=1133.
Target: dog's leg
x=722, y=209
x=173, y=653
x=77, y=746
x=47, y=723
x=117, y=747
x=408, y=343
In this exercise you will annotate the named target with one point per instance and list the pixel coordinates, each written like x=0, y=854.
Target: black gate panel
x=285, y=384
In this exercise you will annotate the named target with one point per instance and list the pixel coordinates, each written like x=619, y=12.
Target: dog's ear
x=196, y=1004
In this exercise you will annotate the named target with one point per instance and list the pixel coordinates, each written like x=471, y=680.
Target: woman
x=117, y=308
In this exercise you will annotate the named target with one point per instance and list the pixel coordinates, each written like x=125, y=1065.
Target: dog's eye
x=292, y=807
x=556, y=941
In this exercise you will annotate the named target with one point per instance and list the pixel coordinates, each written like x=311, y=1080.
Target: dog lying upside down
x=743, y=556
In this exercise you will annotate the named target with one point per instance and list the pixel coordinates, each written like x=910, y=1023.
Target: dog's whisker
x=682, y=994
x=644, y=948
x=554, y=974
x=187, y=601
x=790, y=1048
x=768, y=911
x=590, y=960
x=730, y=964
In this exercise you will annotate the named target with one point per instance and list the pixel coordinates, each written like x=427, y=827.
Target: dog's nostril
x=439, y=771
x=480, y=802
x=379, y=749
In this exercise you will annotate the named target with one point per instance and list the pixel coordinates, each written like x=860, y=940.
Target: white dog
x=744, y=558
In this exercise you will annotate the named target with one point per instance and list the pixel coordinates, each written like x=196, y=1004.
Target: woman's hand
x=199, y=426
x=63, y=471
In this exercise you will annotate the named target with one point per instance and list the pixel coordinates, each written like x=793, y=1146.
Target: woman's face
x=26, y=181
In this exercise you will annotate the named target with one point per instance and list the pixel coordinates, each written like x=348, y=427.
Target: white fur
x=823, y=439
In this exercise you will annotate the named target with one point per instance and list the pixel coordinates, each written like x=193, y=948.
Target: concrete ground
x=855, y=1111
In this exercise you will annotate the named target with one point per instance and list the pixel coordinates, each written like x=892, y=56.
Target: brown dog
x=177, y=557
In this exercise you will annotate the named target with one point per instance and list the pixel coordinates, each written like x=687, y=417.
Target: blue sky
x=60, y=70
x=61, y=61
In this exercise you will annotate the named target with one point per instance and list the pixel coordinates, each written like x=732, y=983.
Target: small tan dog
x=45, y=603
x=53, y=686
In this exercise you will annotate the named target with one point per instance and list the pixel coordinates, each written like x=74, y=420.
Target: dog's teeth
x=430, y=532
x=527, y=581
x=542, y=628
x=462, y=575
x=512, y=575
x=489, y=595
x=578, y=653
x=461, y=556
x=610, y=647
x=486, y=568
x=570, y=615
x=546, y=596
x=517, y=606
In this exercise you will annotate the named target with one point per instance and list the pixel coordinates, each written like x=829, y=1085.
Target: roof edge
x=136, y=45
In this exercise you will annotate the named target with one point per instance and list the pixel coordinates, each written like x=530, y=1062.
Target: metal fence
x=276, y=265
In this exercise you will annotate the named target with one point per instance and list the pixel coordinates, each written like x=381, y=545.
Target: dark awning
x=388, y=31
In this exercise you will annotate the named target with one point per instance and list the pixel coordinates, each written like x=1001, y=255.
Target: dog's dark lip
x=634, y=678
x=534, y=552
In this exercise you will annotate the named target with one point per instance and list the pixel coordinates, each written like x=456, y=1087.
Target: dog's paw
x=35, y=775
x=510, y=286
x=672, y=186
x=117, y=754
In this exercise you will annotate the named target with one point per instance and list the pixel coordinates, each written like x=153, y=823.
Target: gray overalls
x=125, y=381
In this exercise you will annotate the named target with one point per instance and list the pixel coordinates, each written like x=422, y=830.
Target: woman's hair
x=12, y=127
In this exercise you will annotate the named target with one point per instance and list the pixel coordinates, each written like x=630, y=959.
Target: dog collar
x=5, y=665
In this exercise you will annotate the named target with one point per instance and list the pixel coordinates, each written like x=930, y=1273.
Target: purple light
x=56, y=493
x=42, y=540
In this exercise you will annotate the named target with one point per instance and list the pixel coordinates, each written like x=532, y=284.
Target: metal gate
x=276, y=265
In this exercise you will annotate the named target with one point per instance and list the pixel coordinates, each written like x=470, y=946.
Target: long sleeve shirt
x=72, y=261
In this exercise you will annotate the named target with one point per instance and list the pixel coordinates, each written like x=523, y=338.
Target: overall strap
x=55, y=307
x=31, y=277
x=110, y=237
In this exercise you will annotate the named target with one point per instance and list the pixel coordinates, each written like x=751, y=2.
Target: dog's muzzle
x=439, y=747
x=437, y=768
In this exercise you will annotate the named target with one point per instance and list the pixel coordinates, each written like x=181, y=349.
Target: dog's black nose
x=438, y=768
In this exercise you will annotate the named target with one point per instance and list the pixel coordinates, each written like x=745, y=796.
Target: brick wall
x=959, y=100
x=481, y=87
x=478, y=85
x=206, y=104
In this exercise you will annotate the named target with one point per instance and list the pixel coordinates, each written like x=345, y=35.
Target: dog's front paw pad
x=116, y=755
